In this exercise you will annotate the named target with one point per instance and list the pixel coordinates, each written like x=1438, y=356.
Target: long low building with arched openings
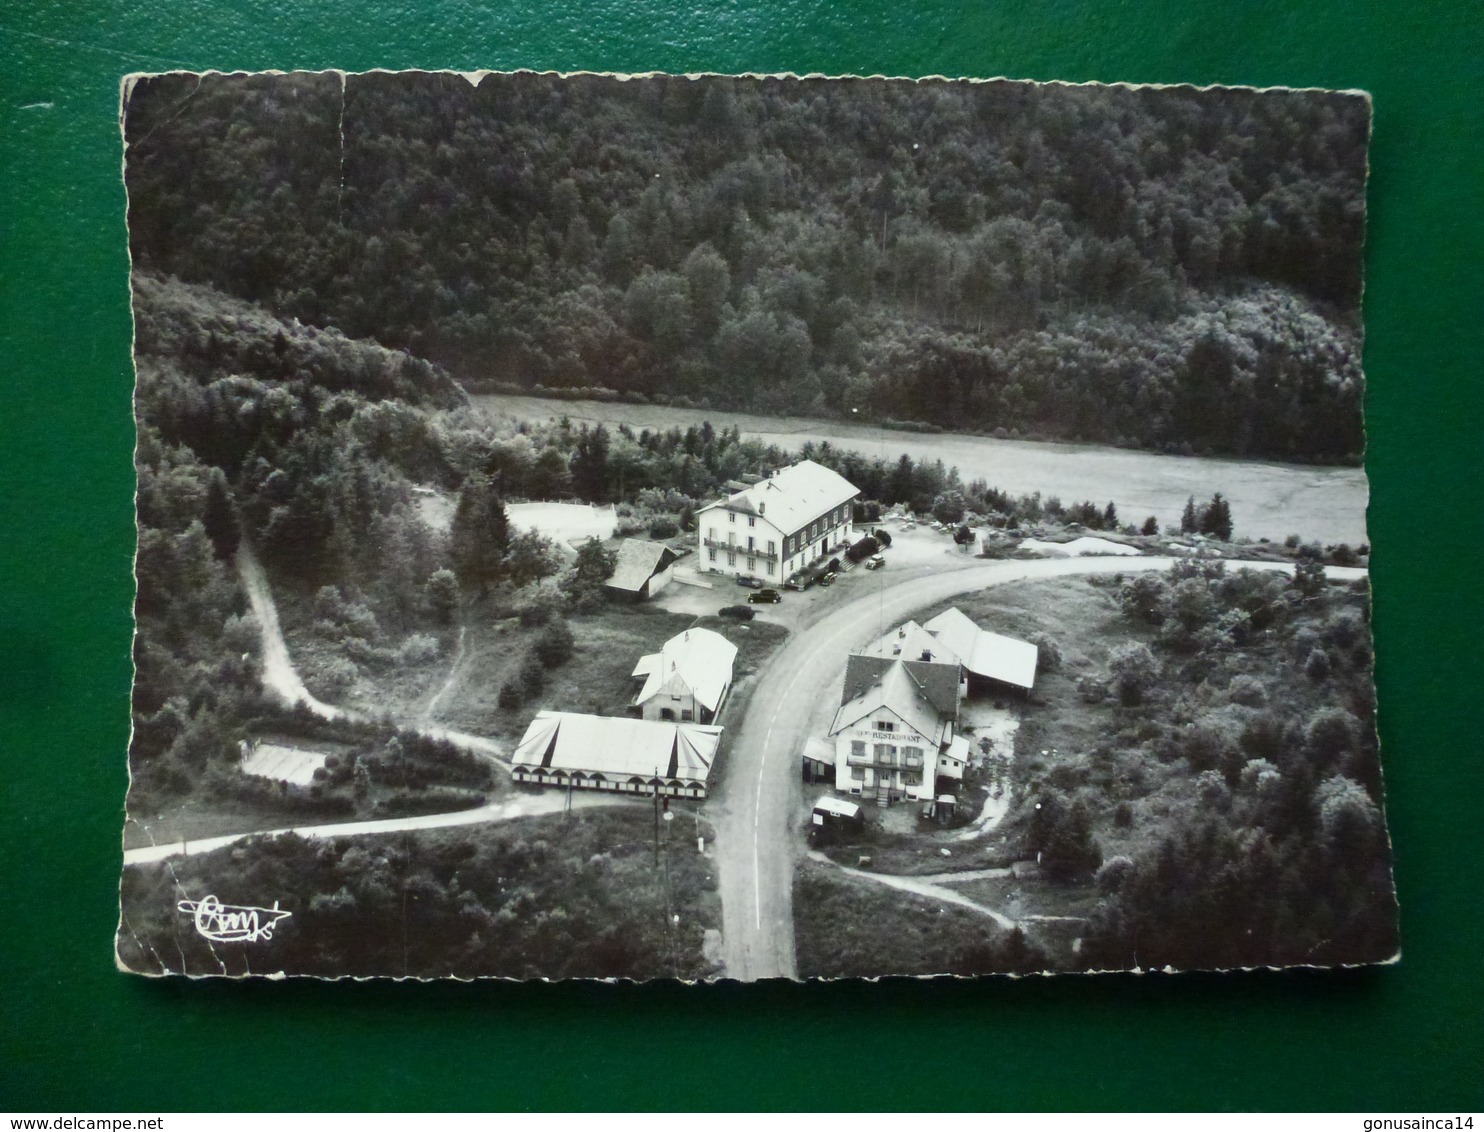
x=621, y=755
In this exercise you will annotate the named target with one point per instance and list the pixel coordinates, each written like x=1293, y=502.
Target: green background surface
x=75, y=1035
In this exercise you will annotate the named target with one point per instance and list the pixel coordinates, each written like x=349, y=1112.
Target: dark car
x=764, y=597
x=749, y=581
x=738, y=612
x=827, y=579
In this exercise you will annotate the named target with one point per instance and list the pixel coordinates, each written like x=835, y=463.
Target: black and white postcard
x=705, y=527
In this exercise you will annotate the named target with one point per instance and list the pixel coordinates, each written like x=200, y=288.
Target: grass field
x=597, y=679
x=1268, y=499
x=845, y=927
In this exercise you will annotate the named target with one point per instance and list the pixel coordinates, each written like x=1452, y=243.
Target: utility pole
x=656, y=817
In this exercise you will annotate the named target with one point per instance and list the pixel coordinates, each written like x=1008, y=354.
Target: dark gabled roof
x=894, y=689
x=938, y=682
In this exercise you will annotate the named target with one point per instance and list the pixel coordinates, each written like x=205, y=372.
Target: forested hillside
x=1161, y=268
x=298, y=439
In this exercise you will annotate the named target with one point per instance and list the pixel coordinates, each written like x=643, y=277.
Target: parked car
x=798, y=582
x=749, y=581
x=827, y=579
x=764, y=597
x=737, y=612
x=875, y=562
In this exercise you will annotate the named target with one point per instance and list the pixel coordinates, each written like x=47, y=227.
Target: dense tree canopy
x=1154, y=267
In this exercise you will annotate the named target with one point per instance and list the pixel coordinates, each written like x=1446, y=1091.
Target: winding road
x=280, y=679
x=759, y=802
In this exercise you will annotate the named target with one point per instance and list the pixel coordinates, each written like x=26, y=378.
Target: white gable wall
x=868, y=756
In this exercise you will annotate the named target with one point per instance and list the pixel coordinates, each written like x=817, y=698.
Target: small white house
x=778, y=525
x=687, y=680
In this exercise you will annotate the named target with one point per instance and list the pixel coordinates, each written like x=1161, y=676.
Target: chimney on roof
x=927, y=654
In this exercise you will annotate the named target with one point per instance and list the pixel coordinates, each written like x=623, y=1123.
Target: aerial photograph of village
x=706, y=527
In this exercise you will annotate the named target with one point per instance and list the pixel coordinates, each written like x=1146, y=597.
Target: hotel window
x=772, y=548
x=752, y=520
x=731, y=558
x=752, y=563
x=712, y=552
x=731, y=516
x=885, y=725
x=711, y=533
x=858, y=773
x=770, y=567
x=858, y=747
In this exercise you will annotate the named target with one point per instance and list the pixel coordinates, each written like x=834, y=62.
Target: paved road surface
x=759, y=803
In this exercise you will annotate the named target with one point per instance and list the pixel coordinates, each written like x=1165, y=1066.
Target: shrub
x=1145, y=599
x=1247, y=691
x=1317, y=666
x=532, y=676
x=1345, y=629
x=1192, y=605
x=1331, y=733
x=555, y=645
x=663, y=527
x=1350, y=820
x=1092, y=689
x=1135, y=671
x=443, y=595
x=1113, y=874
x=630, y=526
x=511, y=696
x=1070, y=851
x=1308, y=578
x=334, y=677
x=419, y=648
x=1207, y=748
x=1048, y=652
x=948, y=508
